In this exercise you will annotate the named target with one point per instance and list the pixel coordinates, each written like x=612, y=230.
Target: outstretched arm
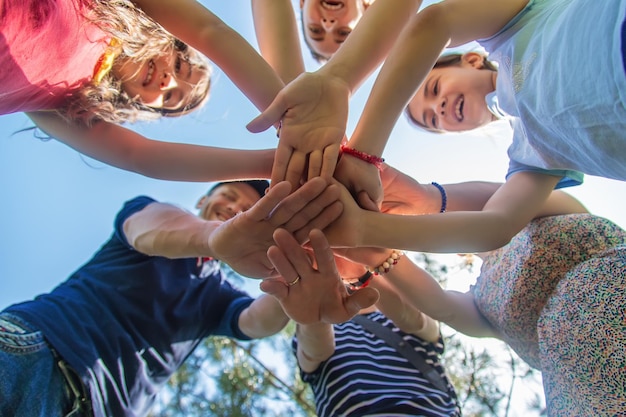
x=128, y=150
x=314, y=107
x=241, y=242
x=194, y=24
x=277, y=34
x=441, y=25
x=506, y=212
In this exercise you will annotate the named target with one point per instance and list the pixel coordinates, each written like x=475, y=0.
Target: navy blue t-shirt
x=126, y=321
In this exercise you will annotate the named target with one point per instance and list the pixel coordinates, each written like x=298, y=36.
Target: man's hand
x=308, y=294
x=313, y=110
x=242, y=241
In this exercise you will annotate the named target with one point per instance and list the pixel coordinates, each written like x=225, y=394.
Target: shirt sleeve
x=130, y=207
x=569, y=178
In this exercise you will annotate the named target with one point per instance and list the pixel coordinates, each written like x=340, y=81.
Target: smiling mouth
x=332, y=5
x=150, y=74
x=458, y=108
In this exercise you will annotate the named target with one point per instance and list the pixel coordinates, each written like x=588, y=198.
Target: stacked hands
x=280, y=238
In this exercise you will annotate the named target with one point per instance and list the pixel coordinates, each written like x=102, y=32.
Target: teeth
x=332, y=5
x=150, y=72
x=459, y=109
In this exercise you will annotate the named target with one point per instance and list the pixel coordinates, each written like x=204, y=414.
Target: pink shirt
x=46, y=52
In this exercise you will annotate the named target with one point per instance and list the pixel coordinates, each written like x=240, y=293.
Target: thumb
x=270, y=116
x=274, y=287
x=366, y=202
x=363, y=298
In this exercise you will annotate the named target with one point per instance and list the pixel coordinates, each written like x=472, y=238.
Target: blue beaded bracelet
x=444, y=197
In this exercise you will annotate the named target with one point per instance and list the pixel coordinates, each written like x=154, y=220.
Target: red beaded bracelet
x=370, y=159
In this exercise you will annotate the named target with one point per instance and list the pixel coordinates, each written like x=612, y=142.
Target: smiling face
x=227, y=200
x=164, y=82
x=452, y=98
x=327, y=23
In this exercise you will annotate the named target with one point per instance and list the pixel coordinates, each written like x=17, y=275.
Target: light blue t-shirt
x=562, y=79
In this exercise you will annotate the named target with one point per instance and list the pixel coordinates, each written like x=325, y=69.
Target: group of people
x=552, y=280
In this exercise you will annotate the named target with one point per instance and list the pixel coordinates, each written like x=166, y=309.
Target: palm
x=403, y=195
x=314, y=113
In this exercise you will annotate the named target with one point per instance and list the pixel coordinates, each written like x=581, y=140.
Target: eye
x=433, y=120
x=344, y=32
x=436, y=88
x=178, y=64
x=315, y=30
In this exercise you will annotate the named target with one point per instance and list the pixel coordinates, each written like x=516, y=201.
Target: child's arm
x=441, y=25
x=277, y=35
x=403, y=312
x=316, y=343
x=314, y=107
x=128, y=150
x=194, y=24
x=510, y=208
x=451, y=307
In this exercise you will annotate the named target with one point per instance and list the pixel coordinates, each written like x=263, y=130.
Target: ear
x=473, y=59
x=201, y=201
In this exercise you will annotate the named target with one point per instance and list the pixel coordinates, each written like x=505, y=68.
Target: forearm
x=316, y=343
x=125, y=149
x=264, y=317
x=404, y=314
x=180, y=162
x=164, y=230
x=368, y=45
x=407, y=65
x=455, y=309
x=195, y=25
x=277, y=36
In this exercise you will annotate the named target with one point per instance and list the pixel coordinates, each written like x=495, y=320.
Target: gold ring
x=294, y=282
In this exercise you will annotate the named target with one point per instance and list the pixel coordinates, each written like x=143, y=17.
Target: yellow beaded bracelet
x=386, y=266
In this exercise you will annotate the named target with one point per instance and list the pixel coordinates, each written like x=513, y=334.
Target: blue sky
x=58, y=206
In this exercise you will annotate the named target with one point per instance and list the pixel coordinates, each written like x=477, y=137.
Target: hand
x=362, y=179
x=403, y=194
x=314, y=113
x=242, y=241
x=319, y=295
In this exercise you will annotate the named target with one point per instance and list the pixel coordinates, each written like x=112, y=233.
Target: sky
x=58, y=207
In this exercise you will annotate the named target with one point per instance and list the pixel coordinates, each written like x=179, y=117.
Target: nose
x=167, y=82
x=328, y=23
x=442, y=106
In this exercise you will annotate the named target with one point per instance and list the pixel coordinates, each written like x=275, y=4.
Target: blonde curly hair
x=141, y=39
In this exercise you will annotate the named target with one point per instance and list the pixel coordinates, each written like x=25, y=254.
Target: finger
x=270, y=116
x=363, y=298
x=325, y=218
x=293, y=252
x=329, y=162
x=296, y=201
x=323, y=254
x=275, y=287
x=295, y=168
x=265, y=206
x=282, y=264
x=315, y=164
x=281, y=162
x=366, y=202
x=313, y=209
